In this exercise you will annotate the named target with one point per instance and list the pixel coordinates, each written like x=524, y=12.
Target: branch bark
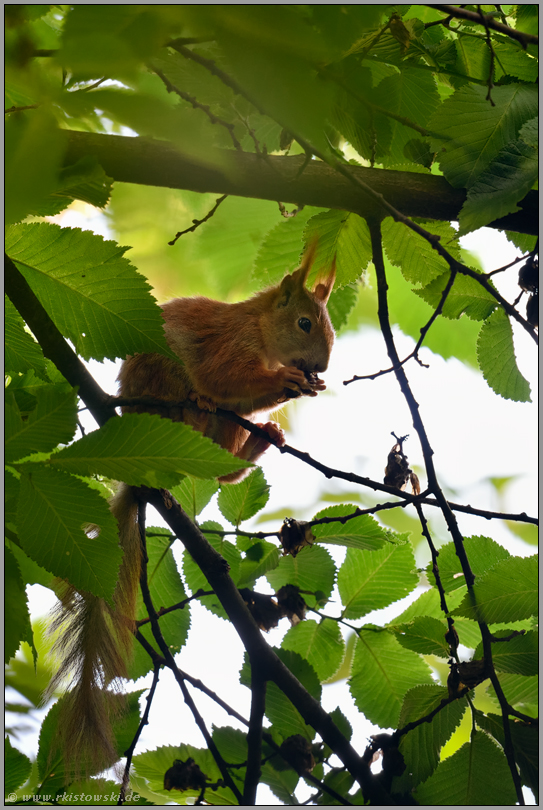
x=158, y=163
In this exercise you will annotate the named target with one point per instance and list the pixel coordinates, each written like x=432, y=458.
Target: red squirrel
x=247, y=357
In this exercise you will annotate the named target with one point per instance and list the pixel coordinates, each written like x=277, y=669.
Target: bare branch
x=472, y=16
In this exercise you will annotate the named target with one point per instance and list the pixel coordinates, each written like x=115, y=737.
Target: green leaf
x=143, y=449
x=86, y=180
x=281, y=248
x=343, y=236
x=496, y=356
x=422, y=745
x=92, y=293
x=362, y=532
x=507, y=592
x=311, y=570
x=519, y=690
x=475, y=131
x=33, y=151
x=281, y=783
x=472, y=56
x=53, y=510
x=18, y=628
x=416, y=258
x=194, y=494
x=279, y=710
x=51, y=423
x=152, y=765
x=412, y=94
x=368, y=580
x=428, y=604
x=514, y=60
x=525, y=740
x=459, y=780
x=496, y=192
x=424, y=635
x=166, y=589
x=382, y=672
x=466, y=296
x=319, y=643
x=482, y=553
x=21, y=351
x=340, y=305
x=194, y=576
x=259, y=558
x=520, y=655
x=239, y=502
x=17, y=767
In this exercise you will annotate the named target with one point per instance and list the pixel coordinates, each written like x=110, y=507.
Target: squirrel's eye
x=305, y=324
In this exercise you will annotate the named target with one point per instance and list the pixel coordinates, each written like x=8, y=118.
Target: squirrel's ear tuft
x=325, y=283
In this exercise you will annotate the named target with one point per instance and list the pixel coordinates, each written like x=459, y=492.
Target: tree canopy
x=219, y=141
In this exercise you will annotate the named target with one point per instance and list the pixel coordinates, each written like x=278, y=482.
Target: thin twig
x=144, y=721
x=179, y=606
x=490, y=81
x=197, y=222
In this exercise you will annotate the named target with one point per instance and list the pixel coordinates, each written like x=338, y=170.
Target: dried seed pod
x=528, y=275
x=184, y=776
x=294, y=535
x=532, y=309
x=297, y=751
x=292, y=603
x=466, y=674
x=263, y=608
x=397, y=471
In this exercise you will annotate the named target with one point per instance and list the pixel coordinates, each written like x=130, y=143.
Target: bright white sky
x=474, y=433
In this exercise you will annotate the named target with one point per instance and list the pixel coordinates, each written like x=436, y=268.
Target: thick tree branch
x=158, y=163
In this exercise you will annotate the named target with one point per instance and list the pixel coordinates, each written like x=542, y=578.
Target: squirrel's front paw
x=301, y=383
x=204, y=403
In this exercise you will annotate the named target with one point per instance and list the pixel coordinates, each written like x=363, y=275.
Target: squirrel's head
x=302, y=331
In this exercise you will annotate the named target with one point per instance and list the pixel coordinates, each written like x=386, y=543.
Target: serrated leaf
x=482, y=553
x=368, y=580
x=18, y=628
x=362, y=532
x=416, y=258
x=458, y=779
x=17, y=767
x=466, y=296
x=312, y=570
x=152, y=765
x=166, y=589
x=519, y=655
x=424, y=635
x=514, y=60
x=525, y=741
x=279, y=710
x=195, y=577
x=382, y=672
x=239, y=502
x=319, y=643
x=260, y=558
x=497, y=190
x=475, y=131
x=422, y=745
x=507, y=592
x=21, y=350
x=428, y=604
x=92, y=293
x=53, y=510
x=281, y=248
x=143, y=449
x=343, y=236
x=194, y=494
x=518, y=689
x=33, y=151
x=86, y=180
x=496, y=356
x=52, y=422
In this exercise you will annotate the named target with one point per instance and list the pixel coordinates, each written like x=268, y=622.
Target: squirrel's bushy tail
x=94, y=642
